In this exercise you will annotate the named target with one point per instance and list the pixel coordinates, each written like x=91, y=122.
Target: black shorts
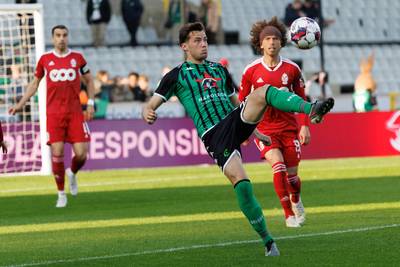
x=226, y=137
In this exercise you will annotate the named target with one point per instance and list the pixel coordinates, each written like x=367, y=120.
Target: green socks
x=287, y=101
x=251, y=209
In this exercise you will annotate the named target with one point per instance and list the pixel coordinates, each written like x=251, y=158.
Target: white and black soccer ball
x=305, y=33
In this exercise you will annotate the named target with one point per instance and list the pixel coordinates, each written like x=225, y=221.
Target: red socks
x=77, y=164
x=280, y=175
x=294, y=185
x=58, y=171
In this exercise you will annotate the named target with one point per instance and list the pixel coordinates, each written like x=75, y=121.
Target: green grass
x=188, y=216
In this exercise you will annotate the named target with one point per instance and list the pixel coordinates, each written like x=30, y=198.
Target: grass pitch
x=189, y=216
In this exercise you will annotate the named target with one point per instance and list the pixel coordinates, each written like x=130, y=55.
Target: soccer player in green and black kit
x=205, y=90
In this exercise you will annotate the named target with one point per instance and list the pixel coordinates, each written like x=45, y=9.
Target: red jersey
x=63, y=80
x=286, y=75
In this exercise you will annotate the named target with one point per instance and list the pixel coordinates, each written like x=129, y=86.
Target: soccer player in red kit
x=284, y=151
x=64, y=69
x=2, y=143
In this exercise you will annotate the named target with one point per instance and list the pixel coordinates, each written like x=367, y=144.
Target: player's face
x=60, y=39
x=271, y=45
x=196, y=47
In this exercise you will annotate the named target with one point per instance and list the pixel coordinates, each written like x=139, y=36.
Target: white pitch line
x=224, y=244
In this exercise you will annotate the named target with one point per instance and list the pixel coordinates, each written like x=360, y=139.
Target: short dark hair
x=187, y=29
x=62, y=27
x=133, y=73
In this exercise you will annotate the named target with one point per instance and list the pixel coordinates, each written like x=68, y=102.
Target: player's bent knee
x=258, y=97
x=234, y=170
x=81, y=157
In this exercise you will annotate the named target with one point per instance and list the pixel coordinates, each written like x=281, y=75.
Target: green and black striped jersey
x=203, y=89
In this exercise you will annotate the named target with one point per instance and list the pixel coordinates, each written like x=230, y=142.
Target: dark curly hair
x=260, y=25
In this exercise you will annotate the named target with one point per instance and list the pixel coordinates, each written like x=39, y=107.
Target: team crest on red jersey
x=208, y=81
x=73, y=63
x=285, y=78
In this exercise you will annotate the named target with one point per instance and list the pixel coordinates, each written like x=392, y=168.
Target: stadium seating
x=342, y=62
x=356, y=22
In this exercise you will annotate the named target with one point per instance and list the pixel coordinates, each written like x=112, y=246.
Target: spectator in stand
x=211, y=18
x=132, y=11
x=144, y=90
x=133, y=85
x=293, y=11
x=364, y=98
x=2, y=143
x=177, y=13
x=98, y=15
x=317, y=87
x=311, y=9
x=102, y=85
x=121, y=92
x=30, y=20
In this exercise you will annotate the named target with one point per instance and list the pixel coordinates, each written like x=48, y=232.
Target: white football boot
x=299, y=212
x=62, y=200
x=291, y=222
x=73, y=183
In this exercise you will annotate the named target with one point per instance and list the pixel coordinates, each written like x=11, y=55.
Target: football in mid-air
x=305, y=33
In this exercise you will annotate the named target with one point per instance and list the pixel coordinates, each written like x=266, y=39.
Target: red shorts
x=288, y=143
x=70, y=128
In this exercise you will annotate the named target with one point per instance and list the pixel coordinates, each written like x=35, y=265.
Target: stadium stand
x=360, y=27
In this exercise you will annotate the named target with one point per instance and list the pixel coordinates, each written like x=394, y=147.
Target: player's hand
x=149, y=115
x=246, y=142
x=265, y=139
x=4, y=147
x=89, y=112
x=14, y=110
x=304, y=135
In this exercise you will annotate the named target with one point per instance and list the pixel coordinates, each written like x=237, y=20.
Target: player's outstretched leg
x=286, y=101
x=289, y=102
x=320, y=108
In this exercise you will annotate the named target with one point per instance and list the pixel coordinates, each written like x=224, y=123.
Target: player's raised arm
x=30, y=91
x=149, y=114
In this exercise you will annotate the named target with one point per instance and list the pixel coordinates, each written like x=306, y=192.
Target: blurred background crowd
x=131, y=44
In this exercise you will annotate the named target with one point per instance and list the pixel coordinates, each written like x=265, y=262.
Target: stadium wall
x=174, y=142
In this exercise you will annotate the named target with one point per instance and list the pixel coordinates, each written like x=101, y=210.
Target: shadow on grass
x=121, y=204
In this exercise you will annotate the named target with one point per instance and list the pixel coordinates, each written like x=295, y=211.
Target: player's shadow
x=139, y=203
